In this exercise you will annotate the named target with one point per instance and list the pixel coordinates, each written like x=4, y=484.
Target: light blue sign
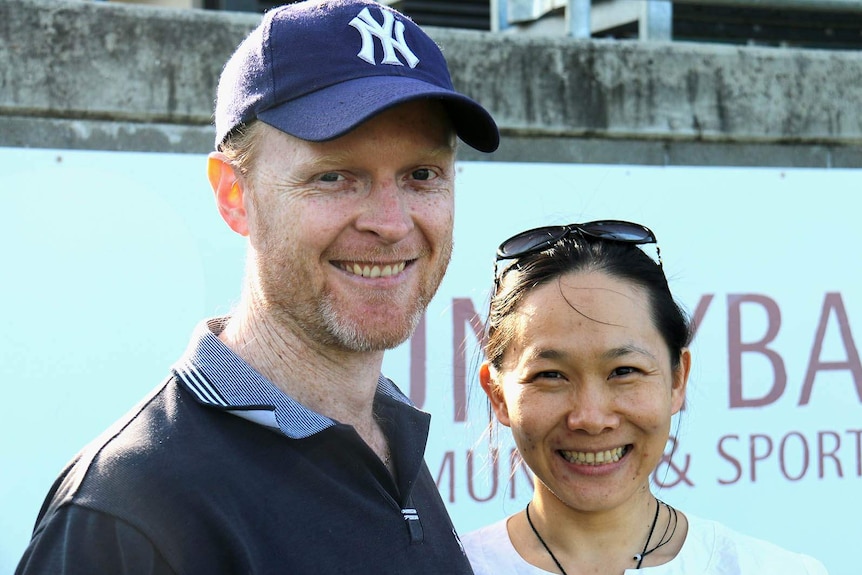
x=110, y=259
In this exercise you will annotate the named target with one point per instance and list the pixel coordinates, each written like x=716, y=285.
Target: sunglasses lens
x=529, y=241
x=619, y=231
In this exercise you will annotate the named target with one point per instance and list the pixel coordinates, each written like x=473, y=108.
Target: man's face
x=351, y=237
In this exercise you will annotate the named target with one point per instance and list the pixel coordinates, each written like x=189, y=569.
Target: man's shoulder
x=127, y=444
x=167, y=438
x=154, y=467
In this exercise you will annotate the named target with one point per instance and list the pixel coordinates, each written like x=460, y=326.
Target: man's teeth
x=374, y=271
x=594, y=457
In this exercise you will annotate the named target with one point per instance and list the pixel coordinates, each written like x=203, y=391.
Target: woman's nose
x=592, y=410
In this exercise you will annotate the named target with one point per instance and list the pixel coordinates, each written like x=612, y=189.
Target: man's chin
x=360, y=335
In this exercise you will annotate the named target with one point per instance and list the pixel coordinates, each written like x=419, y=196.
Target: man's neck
x=337, y=383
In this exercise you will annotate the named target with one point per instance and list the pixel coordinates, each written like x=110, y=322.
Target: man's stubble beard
x=321, y=320
x=346, y=334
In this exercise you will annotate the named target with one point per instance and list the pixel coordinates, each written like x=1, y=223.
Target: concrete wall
x=168, y=3
x=101, y=75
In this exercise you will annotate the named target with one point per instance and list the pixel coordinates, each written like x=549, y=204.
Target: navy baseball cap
x=317, y=69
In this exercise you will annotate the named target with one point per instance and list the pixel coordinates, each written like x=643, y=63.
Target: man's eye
x=423, y=174
x=331, y=177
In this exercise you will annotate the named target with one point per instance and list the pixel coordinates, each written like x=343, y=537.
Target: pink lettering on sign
x=802, y=450
x=700, y=312
x=735, y=349
x=418, y=345
x=479, y=466
x=463, y=315
x=832, y=302
x=794, y=456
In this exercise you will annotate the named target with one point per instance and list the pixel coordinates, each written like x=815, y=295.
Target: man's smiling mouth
x=368, y=270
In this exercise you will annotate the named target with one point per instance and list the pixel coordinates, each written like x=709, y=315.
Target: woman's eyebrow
x=545, y=353
x=628, y=349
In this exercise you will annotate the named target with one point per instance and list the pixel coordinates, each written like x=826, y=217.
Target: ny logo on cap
x=368, y=28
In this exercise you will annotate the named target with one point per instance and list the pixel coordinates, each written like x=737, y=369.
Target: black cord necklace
x=664, y=539
x=672, y=522
x=542, y=541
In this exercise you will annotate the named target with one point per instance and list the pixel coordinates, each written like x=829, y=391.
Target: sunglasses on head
x=542, y=238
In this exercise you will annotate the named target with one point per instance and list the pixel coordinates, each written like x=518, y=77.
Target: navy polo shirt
x=221, y=379
x=183, y=485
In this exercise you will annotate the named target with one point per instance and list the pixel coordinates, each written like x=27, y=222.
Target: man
x=276, y=446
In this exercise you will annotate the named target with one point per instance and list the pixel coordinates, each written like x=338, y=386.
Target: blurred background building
x=826, y=24
x=658, y=82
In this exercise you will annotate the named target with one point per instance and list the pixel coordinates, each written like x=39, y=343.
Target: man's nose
x=386, y=212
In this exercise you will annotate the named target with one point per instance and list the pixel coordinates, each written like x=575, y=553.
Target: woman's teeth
x=594, y=457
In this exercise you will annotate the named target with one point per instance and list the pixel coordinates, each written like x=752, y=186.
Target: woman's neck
x=591, y=541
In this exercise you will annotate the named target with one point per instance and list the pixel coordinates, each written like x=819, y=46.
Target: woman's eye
x=549, y=375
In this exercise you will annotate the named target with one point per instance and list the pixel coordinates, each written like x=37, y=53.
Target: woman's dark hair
x=577, y=252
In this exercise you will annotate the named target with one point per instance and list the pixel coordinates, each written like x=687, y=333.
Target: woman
x=587, y=360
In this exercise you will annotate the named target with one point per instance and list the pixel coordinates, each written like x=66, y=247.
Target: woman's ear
x=229, y=193
x=495, y=394
x=680, y=380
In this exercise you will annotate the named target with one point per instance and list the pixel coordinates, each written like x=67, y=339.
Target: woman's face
x=588, y=389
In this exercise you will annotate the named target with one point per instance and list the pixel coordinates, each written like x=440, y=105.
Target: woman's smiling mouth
x=595, y=457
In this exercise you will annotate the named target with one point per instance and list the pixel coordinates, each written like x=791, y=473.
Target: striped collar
x=216, y=376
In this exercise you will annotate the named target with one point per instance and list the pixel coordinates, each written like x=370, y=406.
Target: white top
x=710, y=548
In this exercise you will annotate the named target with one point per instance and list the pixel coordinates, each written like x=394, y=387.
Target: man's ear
x=229, y=193
x=495, y=394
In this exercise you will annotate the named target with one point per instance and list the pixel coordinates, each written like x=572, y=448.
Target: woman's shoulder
x=491, y=552
x=486, y=540
x=729, y=551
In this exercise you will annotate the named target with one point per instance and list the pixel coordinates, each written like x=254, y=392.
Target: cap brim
x=333, y=111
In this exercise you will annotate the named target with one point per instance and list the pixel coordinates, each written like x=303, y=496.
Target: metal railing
x=654, y=16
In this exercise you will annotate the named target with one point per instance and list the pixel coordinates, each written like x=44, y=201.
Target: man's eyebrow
x=330, y=159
